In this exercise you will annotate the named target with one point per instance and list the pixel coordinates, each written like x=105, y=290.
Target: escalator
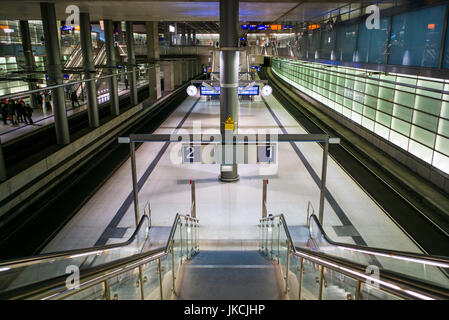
x=281, y=266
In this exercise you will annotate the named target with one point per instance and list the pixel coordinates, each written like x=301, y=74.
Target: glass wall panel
x=372, y=43
x=327, y=43
x=346, y=36
x=409, y=111
x=416, y=37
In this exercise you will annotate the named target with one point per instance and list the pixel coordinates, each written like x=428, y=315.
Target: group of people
x=16, y=111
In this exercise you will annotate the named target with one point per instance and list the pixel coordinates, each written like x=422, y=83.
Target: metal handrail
x=50, y=257
x=55, y=288
x=396, y=284
x=438, y=261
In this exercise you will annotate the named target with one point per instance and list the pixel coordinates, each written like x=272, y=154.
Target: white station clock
x=192, y=90
x=266, y=90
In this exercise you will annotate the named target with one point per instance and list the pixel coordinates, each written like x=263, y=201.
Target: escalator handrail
x=437, y=261
x=72, y=55
x=50, y=257
x=56, y=288
x=394, y=254
x=392, y=282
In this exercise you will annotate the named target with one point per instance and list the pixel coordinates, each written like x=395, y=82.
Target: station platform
x=40, y=118
x=231, y=211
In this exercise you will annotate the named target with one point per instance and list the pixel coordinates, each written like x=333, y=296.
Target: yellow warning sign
x=229, y=124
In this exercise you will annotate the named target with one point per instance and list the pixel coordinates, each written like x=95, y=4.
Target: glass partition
x=49, y=266
x=311, y=277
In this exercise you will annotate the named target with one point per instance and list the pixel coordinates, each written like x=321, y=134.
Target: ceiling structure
x=149, y=10
x=199, y=15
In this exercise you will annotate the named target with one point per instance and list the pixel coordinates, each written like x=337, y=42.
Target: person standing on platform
x=20, y=111
x=28, y=114
x=47, y=100
x=74, y=99
x=126, y=83
x=12, y=112
x=4, y=106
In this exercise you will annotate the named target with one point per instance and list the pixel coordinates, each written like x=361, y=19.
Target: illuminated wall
x=411, y=112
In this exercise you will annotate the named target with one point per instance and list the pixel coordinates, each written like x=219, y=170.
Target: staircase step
x=224, y=275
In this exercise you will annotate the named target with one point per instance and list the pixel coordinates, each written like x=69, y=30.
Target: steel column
x=131, y=63
x=89, y=70
x=229, y=75
x=153, y=59
x=134, y=177
x=54, y=70
x=323, y=180
x=111, y=64
x=29, y=59
x=193, y=213
x=264, y=198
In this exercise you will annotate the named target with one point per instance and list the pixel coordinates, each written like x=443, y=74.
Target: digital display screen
x=253, y=91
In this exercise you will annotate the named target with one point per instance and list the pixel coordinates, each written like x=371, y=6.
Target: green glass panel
x=357, y=107
x=399, y=140
x=426, y=121
x=384, y=119
x=387, y=94
x=428, y=105
x=390, y=78
x=442, y=145
x=385, y=106
x=370, y=113
x=367, y=123
x=407, y=81
x=445, y=110
x=401, y=126
x=425, y=137
x=443, y=127
x=420, y=151
x=404, y=98
x=372, y=90
x=371, y=101
x=403, y=113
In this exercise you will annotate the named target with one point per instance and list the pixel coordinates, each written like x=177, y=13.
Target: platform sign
x=191, y=153
x=253, y=91
x=266, y=153
x=240, y=153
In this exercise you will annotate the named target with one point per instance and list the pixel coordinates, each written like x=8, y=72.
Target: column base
x=229, y=175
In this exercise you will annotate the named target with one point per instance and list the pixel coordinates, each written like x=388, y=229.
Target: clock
x=192, y=91
x=266, y=90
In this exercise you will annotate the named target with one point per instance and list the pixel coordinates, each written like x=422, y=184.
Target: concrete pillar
x=54, y=70
x=153, y=59
x=178, y=73
x=189, y=37
x=112, y=68
x=131, y=63
x=169, y=75
x=194, y=38
x=183, y=37
x=89, y=70
x=29, y=59
x=185, y=74
x=191, y=73
x=187, y=66
x=229, y=75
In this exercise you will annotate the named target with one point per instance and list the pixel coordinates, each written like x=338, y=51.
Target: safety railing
x=430, y=269
x=313, y=275
x=150, y=275
x=21, y=272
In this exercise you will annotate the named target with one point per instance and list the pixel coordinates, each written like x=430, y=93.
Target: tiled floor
x=230, y=211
